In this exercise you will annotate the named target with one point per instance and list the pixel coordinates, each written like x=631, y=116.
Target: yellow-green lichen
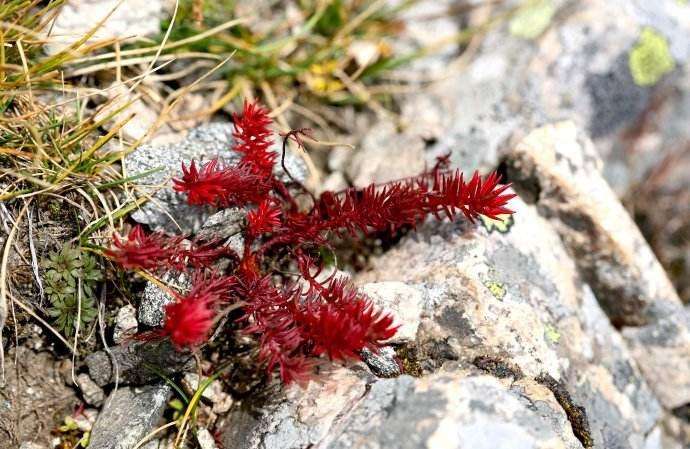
x=551, y=333
x=650, y=59
x=497, y=289
x=532, y=19
x=502, y=225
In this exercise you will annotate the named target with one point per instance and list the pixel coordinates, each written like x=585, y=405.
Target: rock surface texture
x=446, y=410
x=128, y=416
x=560, y=171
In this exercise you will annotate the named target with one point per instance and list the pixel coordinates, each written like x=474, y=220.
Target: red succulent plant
x=296, y=324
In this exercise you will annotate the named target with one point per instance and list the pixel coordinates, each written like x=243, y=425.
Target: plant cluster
x=298, y=313
x=71, y=277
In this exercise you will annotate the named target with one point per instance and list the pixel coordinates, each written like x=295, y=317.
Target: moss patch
x=409, y=361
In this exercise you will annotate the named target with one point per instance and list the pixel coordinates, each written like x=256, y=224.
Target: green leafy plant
x=71, y=277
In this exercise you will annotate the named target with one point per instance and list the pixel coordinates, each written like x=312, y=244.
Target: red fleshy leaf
x=139, y=250
x=190, y=318
x=264, y=219
x=221, y=186
x=254, y=139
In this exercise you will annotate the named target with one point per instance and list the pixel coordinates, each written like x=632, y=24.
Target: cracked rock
x=448, y=410
x=511, y=291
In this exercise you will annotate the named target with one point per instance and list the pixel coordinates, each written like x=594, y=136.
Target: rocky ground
x=559, y=328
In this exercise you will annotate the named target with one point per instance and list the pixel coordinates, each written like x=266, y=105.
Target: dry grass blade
x=3, y=281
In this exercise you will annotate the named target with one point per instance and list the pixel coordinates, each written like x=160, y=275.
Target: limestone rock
x=511, y=292
x=402, y=301
x=386, y=155
x=300, y=418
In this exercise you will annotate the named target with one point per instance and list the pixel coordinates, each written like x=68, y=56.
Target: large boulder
x=557, y=168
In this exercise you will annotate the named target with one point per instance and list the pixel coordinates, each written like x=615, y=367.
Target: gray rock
x=129, y=415
x=386, y=155
x=223, y=224
x=202, y=143
x=402, y=301
x=170, y=211
x=137, y=363
x=226, y=225
x=451, y=410
x=557, y=168
x=154, y=299
x=92, y=393
x=126, y=323
x=278, y=424
x=383, y=363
